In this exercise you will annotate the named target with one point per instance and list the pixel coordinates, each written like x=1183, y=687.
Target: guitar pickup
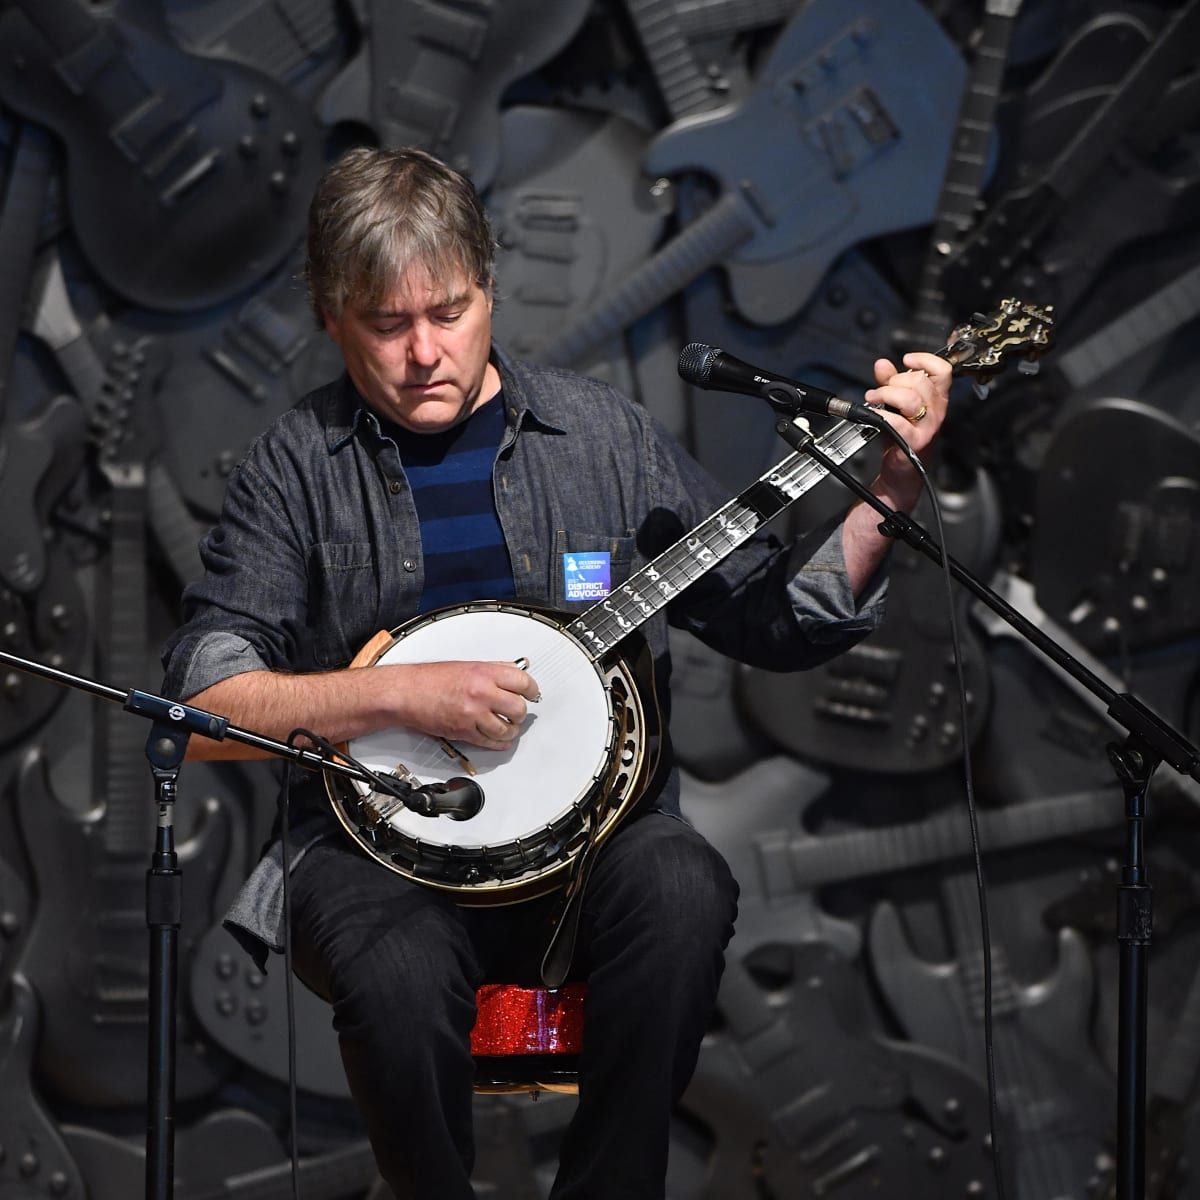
x=872, y=117
x=854, y=132
x=852, y=714
x=442, y=27
x=880, y=664
x=851, y=690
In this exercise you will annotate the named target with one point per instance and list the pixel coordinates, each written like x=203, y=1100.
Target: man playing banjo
x=439, y=471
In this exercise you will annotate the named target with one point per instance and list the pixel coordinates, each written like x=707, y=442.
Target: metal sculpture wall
x=809, y=184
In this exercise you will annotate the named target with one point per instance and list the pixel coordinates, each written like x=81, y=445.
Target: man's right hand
x=480, y=703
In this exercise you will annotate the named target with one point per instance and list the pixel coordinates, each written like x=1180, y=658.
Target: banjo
x=591, y=749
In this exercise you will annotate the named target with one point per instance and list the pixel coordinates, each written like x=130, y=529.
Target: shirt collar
x=345, y=410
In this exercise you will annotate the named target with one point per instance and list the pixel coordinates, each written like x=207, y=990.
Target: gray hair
x=376, y=213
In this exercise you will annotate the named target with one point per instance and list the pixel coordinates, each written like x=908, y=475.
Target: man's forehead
x=418, y=290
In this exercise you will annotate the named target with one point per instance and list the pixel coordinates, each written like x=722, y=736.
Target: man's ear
x=332, y=326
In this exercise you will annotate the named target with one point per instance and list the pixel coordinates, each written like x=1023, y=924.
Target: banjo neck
x=634, y=602
x=979, y=346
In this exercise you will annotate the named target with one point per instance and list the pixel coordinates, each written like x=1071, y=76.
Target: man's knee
x=665, y=872
x=418, y=978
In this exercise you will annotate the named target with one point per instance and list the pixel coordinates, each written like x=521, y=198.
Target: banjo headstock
x=983, y=345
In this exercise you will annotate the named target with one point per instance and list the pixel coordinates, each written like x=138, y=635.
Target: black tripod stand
x=1149, y=741
x=172, y=726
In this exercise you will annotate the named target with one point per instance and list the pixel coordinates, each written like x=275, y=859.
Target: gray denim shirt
x=318, y=547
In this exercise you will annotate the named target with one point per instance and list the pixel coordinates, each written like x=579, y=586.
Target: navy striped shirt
x=450, y=474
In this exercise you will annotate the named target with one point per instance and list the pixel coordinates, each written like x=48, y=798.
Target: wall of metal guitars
x=805, y=183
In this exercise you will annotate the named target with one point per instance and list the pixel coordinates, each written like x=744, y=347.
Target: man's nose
x=422, y=344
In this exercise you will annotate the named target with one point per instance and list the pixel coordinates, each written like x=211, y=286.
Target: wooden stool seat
x=527, y=1039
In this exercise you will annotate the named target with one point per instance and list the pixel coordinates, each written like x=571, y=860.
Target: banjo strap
x=556, y=962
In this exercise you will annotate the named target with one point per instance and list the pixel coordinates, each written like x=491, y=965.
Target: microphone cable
x=329, y=750
x=697, y=364
x=972, y=814
x=285, y=796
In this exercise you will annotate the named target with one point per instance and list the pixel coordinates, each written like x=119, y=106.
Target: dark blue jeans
x=401, y=964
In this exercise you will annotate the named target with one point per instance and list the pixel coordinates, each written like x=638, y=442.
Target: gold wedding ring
x=919, y=415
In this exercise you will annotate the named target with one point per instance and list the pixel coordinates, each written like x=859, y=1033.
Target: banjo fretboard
x=607, y=622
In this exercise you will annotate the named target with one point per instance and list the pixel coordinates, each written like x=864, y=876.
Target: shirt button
x=410, y=564
x=394, y=485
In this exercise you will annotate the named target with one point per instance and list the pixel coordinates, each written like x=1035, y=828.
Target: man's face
x=421, y=357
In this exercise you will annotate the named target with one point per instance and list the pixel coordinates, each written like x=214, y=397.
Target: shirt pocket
x=342, y=600
x=572, y=544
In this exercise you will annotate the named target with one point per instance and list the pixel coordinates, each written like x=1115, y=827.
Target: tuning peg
x=981, y=387
x=1029, y=366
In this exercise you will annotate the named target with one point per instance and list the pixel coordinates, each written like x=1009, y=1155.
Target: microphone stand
x=1149, y=741
x=172, y=726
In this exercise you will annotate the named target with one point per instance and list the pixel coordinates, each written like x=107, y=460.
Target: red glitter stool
x=527, y=1039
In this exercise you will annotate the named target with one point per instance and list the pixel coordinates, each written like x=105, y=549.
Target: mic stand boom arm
x=172, y=725
x=1149, y=740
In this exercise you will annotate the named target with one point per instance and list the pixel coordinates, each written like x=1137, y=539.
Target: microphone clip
x=785, y=397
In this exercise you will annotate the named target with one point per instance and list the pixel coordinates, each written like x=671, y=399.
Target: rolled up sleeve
x=825, y=607
x=200, y=660
x=248, y=612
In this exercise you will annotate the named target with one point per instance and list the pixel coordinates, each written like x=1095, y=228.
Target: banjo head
x=537, y=795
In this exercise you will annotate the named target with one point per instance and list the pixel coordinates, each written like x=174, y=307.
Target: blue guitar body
x=845, y=137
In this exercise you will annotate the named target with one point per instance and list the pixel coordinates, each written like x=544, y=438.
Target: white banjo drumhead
x=562, y=748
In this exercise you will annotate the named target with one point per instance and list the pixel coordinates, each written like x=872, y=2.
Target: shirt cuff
x=208, y=659
x=824, y=605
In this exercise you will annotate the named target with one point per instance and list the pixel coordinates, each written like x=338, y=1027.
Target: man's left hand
x=916, y=398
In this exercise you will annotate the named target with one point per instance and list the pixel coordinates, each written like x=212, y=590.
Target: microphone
x=458, y=798
x=711, y=368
